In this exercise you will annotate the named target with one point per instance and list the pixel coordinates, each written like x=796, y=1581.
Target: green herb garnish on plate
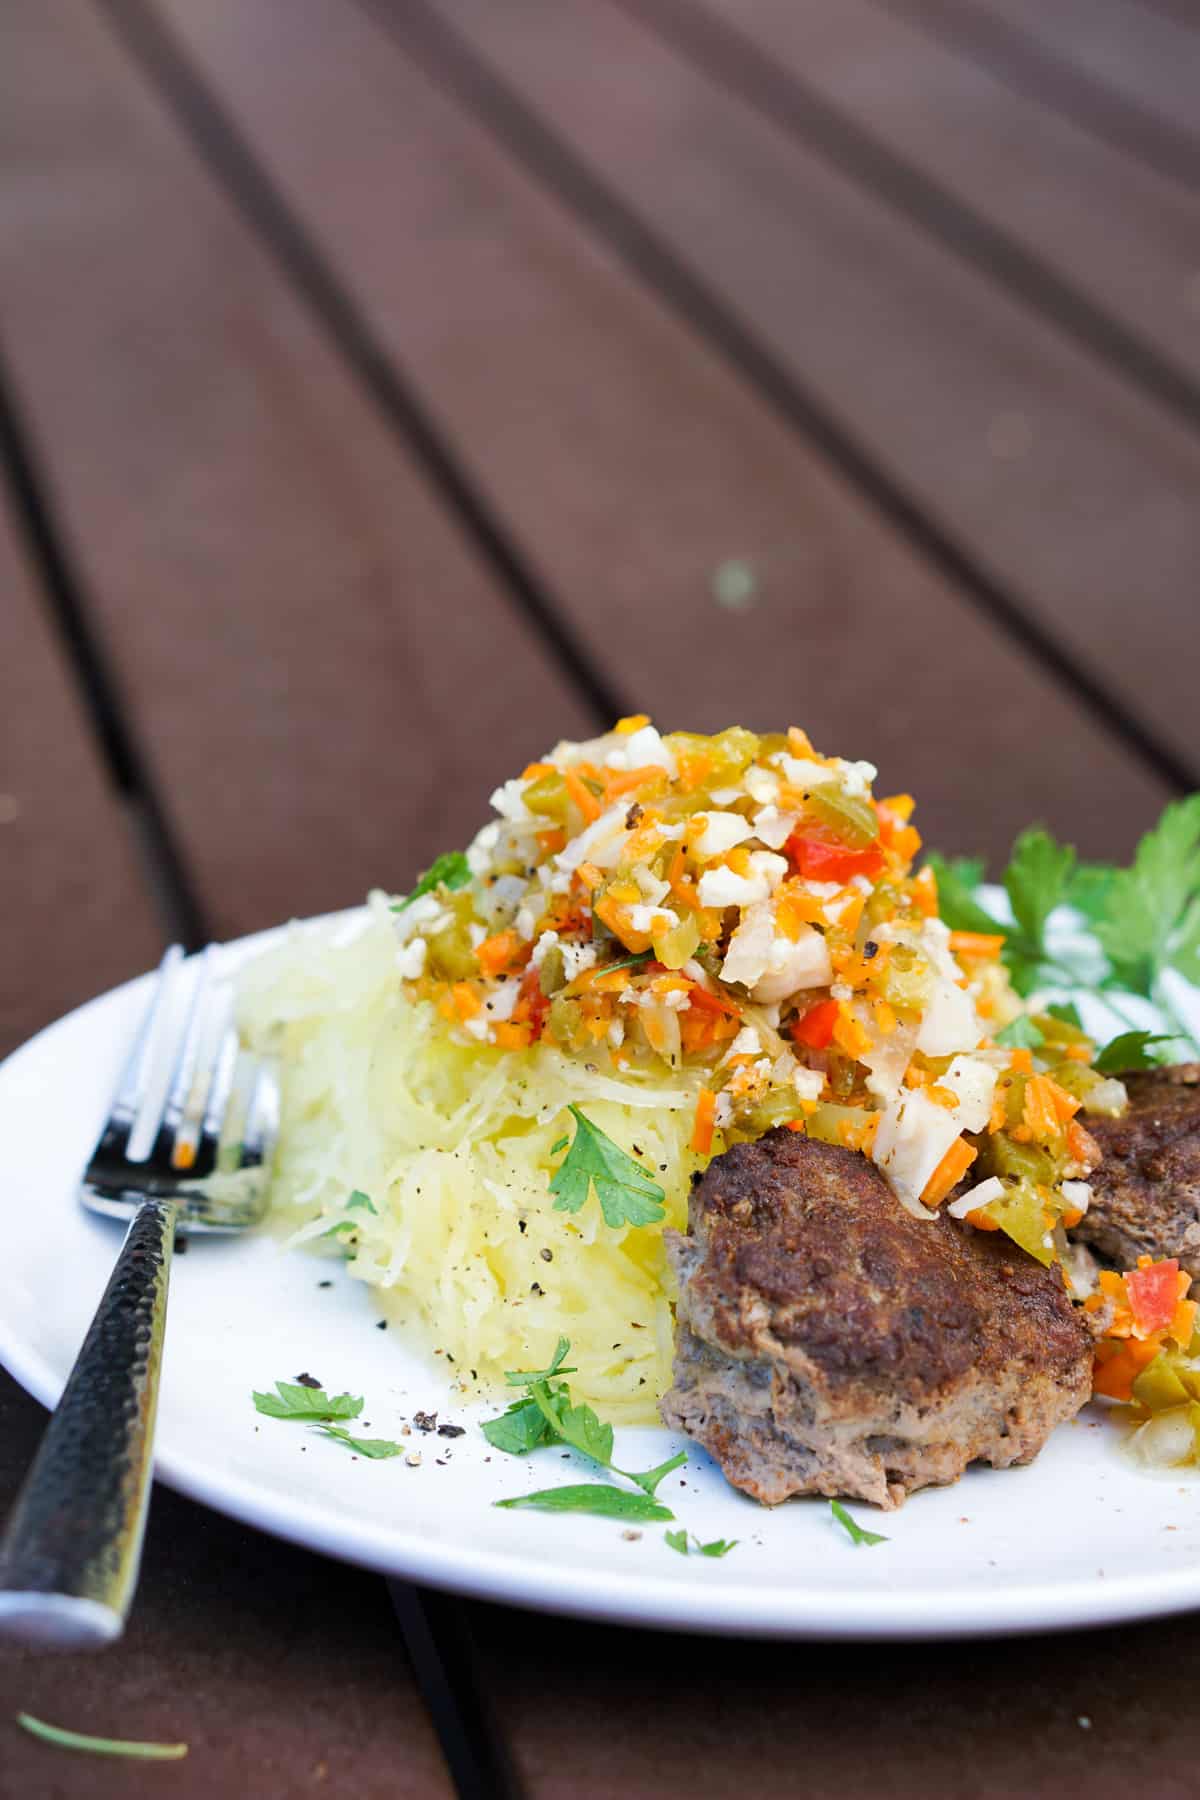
x=627, y=1195
x=130, y=1748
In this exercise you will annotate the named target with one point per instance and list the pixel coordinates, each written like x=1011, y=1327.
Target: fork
x=72, y=1547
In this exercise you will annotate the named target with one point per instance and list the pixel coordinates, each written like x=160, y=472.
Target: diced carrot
x=1082, y=1145
x=679, y=882
x=497, y=952
x=851, y=912
x=589, y=876
x=635, y=722
x=1040, y=1112
x=941, y=1096
x=982, y=1220
x=800, y=744
x=902, y=840
x=1065, y=1104
x=1183, y=1322
x=901, y=805
x=694, y=771
x=859, y=1135
x=949, y=1172
x=552, y=840
x=583, y=796
x=788, y=917
x=999, y=1112
x=849, y=1035
x=466, y=1001
x=626, y=781
x=702, y=1129
x=1117, y=1367
x=977, y=943
x=1081, y=1053
x=885, y=1018
x=1021, y=1060
x=510, y=1036
x=533, y=770
x=925, y=894
x=610, y=912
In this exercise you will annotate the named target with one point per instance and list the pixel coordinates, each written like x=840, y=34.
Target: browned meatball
x=1146, y=1192
x=829, y=1343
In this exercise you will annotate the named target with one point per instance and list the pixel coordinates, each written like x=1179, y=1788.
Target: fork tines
x=190, y=1103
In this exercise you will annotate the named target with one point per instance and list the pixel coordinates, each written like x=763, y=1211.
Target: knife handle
x=71, y=1550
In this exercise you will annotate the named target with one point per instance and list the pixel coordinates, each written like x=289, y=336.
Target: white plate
x=1081, y=1538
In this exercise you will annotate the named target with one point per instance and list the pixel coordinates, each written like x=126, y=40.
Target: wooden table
x=390, y=387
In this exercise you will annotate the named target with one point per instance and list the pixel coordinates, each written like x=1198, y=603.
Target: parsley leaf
x=856, y=1532
x=1036, y=881
x=967, y=869
x=518, y=1430
x=1067, y=1011
x=626, y=1193
x=1021, y=1034
x=100, y=1746
x=547, y=1415
x=293, y=1401
x=1089, y=887
x=525, y=1377
x=360, y=1202
x=376, y=1448
x=593, y=1497
x=450, y=870
x=649, y=1479
x=1152, y=912
x=956, y=903
x=576, y=1426
x=1129, y=1051
x=678, y=1540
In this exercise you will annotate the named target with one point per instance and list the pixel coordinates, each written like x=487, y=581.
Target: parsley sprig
x=451, y=870
x=856, y=1532
x=130, y=1748
x=295, y=1400
x=1145, y=918
x=546, y=1414
x=627, y=1195
x=313, y=1406
x=678, y=1540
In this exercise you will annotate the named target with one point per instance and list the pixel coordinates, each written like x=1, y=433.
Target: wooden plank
x=627, y=459
x=1055, y=477
x=1138, y=50
x=599, y=1710
x=325, y=674
x=1061, y=83
x=77, y=913
x=1122, y=238
x=283, y=1672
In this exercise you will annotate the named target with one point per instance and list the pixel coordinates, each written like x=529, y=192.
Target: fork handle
x=71, y=1551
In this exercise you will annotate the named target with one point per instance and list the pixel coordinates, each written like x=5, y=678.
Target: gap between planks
x=728, y=57
x=124, y=759
x=225, y=152
x=1035, y=72
x=448, y=59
